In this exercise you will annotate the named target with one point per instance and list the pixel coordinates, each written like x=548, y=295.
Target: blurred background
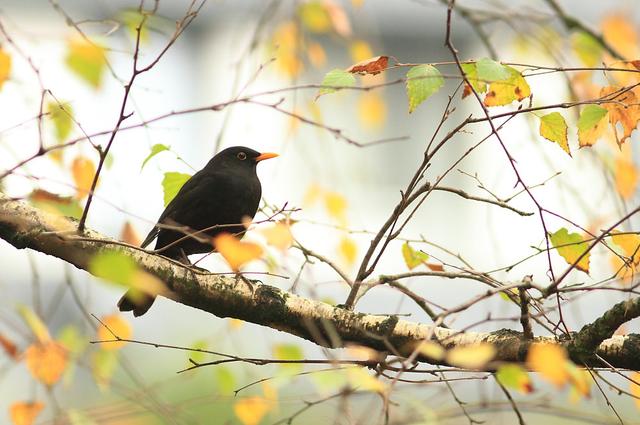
x=250, y=47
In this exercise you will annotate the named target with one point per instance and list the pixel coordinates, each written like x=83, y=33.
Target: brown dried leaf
x=371, y=66
x=9, y=347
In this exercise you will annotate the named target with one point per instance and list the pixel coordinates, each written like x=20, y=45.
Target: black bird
x=213, y=201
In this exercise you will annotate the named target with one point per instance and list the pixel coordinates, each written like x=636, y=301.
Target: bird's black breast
x=209, y=199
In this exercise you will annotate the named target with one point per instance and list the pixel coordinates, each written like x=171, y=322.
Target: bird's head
x=240, y=157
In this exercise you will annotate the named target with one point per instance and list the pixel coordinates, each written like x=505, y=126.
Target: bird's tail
x=140, y=306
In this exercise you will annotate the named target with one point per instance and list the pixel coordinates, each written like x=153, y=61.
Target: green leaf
x=591, y=124
x=554, y=128
x=571, y=246
x=289, y=352
x=76, y=417
x=155, y=150
x=172, y=183
x=103, y=365
x=513, y=376
x=329, y=381
x=113, y=266
x=422, y=82
x=471, y=71
x=490, y=70
x=198, y=356
x=34, y=322
x=72, y=340
x=61, y=115
x=413, y=258
x=588, y=49
x=336, y=78
x=87, y=60
x=225, y=380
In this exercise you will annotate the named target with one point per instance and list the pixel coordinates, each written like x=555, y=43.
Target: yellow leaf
x=624, y=272
x=620, y=33
x=270, y=392
x=83, y=172
x=634, y=387
x=625, y=110
x=236, y=252
x=626, y=175
x=119, y=326
x=554, y=128
x=362, y=380
x=357, y=3
x=431, y=350
x=251, y=410
x=34, y=322
x=235, y=324
x=591, y=124
x=279, y=236
x=372, y=111
x=46, y=361
x=286, y=40
x=313, y=194
x=86, y=59
x=630, y=244
x=336, y=206
x=471, y=356
x=130, y=235
x=413, y=258
x=316, y=54
x=360, y=51
x=314, y=16
x=25, y=412
x=504, y=92
x=571, y=246
x=360, y=352
x=348, y=250
x=550, y=360
x=5, y=66
x=580, y=382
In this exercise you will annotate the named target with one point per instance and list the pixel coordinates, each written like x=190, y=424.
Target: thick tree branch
x=24, y=226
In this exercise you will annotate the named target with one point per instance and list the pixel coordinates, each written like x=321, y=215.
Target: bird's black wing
x=186, y=192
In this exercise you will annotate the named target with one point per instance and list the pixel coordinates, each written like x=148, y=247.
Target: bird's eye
x=242, y=156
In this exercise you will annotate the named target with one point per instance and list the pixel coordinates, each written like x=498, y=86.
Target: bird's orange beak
x=265, y=155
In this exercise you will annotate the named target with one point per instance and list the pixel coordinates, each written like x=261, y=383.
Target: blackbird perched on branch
x=212, y=201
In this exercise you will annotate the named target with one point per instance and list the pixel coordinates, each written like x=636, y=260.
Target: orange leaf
x=316, y=54
x=624, y=110
x=236, y=252
x=25, y=412
x=635, y=387
x=435, y=267
x=5, y=66
x=338, y=17
x=119, y=326
x=83, y=171
x=626, y=177
x=9, y=347
x=636, y=64
x=46, y=361
x=251, y=410
x=620, y=33
x=373, y=65
x=551, y=361
x=130, y=235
